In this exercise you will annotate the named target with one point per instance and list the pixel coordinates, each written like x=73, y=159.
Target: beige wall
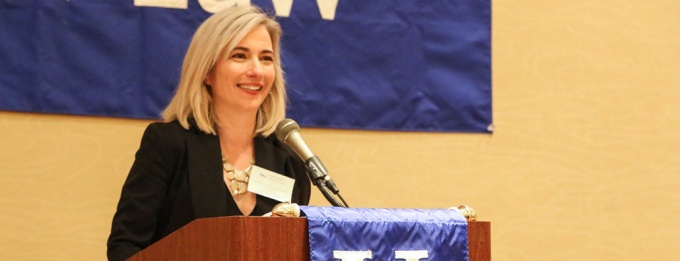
x=583, y=164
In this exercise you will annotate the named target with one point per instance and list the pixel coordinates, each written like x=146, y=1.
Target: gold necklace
x=237, y=179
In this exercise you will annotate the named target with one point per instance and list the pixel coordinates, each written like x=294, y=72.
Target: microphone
x=288, y=131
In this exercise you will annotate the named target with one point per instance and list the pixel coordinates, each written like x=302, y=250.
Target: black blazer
x=177, y=177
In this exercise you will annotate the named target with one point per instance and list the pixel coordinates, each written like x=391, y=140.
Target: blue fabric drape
x=442, y=233
x=379, y=65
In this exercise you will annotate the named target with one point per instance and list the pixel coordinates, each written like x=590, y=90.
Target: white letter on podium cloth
x=411, y=255
x=352, y=255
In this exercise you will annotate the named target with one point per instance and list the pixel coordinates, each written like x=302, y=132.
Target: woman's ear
x=207, y=80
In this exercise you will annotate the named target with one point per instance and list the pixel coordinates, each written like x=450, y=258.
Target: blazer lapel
x=274, y=159
x=204, y=162
x=204, y=159
x=269, y=157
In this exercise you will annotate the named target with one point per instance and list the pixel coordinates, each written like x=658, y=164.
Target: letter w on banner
x=380, y=64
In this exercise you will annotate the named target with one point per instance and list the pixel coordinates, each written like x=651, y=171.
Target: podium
x=264, y=238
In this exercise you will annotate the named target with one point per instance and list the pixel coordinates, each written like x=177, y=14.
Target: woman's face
x=242, y=79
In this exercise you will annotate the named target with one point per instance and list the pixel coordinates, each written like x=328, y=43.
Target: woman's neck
x=236, y=130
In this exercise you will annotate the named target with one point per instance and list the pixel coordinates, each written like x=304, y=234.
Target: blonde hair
x=219, y=35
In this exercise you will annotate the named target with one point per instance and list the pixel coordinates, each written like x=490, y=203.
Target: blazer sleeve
x=296, y=169
x=136, y=218
x=302, y=183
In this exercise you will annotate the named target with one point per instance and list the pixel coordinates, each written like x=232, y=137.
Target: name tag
x=271, y=184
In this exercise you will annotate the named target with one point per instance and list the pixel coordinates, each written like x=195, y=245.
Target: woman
x=217, y=127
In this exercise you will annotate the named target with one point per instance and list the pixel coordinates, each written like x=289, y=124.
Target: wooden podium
x=264, y=238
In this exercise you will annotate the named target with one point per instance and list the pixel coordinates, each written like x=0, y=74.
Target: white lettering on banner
x=179, y=4
x=282, y=7
x=327, y=8
x=352, y=255
x=214, y=6
x=411, y=255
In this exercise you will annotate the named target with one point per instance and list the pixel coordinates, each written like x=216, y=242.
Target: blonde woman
x=217, y=127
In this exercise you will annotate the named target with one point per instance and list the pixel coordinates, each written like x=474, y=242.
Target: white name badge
x=271, y=184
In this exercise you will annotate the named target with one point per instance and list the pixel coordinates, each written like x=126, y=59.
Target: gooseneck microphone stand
x=319, y=176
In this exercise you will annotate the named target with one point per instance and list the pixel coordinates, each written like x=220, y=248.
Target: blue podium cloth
x=442, y=233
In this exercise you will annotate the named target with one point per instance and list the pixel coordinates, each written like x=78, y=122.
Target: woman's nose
x=254, y=68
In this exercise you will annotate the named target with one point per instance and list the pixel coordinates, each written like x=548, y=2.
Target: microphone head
x=288, y=131
x=285, y=128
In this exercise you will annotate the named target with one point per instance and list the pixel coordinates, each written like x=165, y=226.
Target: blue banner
x=349, y=234
x=380, y=65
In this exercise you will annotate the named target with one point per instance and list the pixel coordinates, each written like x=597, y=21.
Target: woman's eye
x=239, y=56
x=267, y=58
